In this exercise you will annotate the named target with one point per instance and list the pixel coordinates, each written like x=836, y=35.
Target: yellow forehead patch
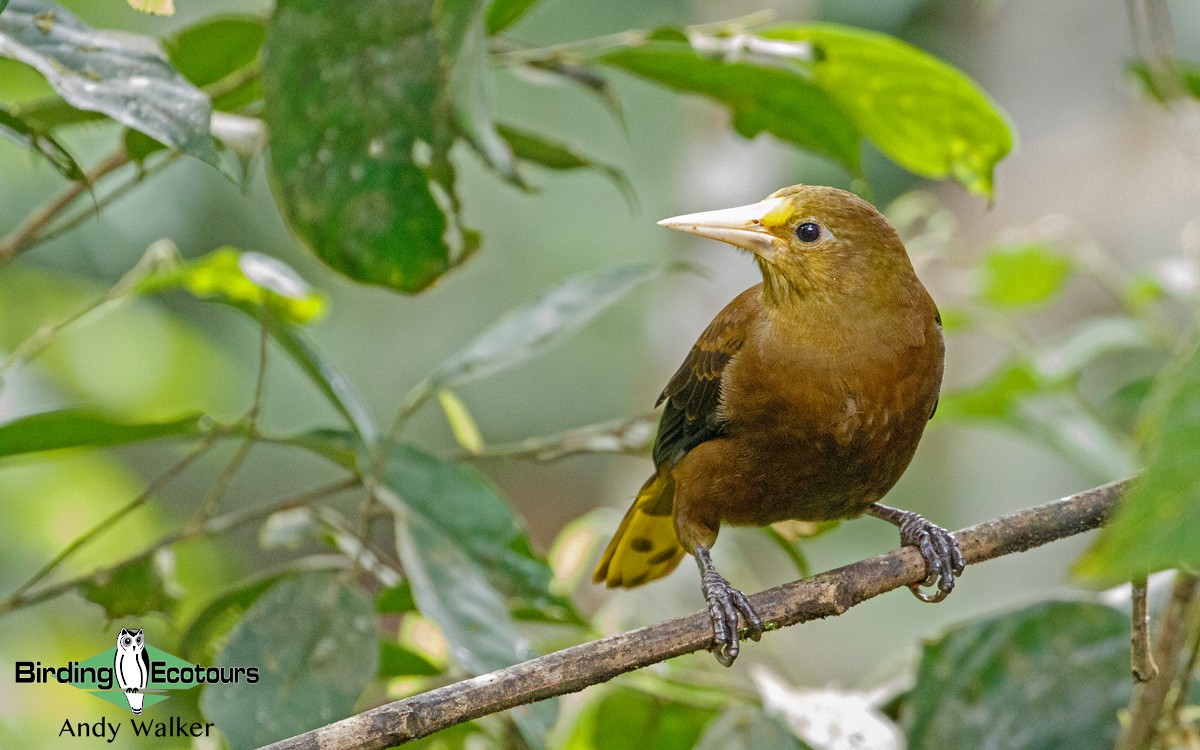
x=779, y=216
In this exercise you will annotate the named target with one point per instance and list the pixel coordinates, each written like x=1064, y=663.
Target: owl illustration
x=132, y=666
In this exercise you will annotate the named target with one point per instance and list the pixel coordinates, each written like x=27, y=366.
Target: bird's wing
x=694, y=393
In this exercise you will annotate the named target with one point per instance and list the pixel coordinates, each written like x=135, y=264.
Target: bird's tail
x=645, y=546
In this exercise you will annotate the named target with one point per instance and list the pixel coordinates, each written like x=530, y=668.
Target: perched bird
x=803, y=399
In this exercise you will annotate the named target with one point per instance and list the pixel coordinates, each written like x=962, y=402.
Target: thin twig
x=116, y=516
x=250, y=423
x=1141, y=658
x=219, y=525
x=26, y=236
x=1146, y=706
x=73, y=221
x=575, y=668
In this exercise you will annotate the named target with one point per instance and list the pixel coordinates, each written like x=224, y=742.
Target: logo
x=135, y=677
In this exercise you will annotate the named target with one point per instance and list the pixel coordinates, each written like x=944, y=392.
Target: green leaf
x=361, y=127
x=923, y=114
x=1023, y=275
x=122, y=76
x=1051, y=675
x=645, y=720
x=331, y=382
x=464, y=55
x=1187, y=72
x=210, y=50
x=504, y=13
x=1092, y=339
x=138, y=587
x=451, y=589
x=462, y=424
x=222, y=54
x=998, y=397
x=242, y=278
x=538, y=325
x=1157, y=523
x=744, y=728
x=224, y=610
x=782, y=101
x=395, y=600
x=559, y=156
x=314, y=640
x=397, y=661
x=33, y=138
x=252, y=282
x=76, y=428
x=467, y=511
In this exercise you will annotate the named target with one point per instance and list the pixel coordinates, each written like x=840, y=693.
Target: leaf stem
x=219, y=525
x=27, y=235
x=115, y=517
x=1150, y=699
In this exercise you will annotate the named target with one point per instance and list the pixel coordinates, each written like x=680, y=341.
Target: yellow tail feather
x=645, y=546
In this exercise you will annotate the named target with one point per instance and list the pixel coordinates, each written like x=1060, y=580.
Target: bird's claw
x=943, y=559
x=725, y=603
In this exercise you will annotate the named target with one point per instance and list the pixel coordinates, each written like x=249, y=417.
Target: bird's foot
x=724, y=604
x=943, y=559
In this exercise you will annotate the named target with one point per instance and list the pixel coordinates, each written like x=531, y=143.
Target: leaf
x=504, y=13
x=221, y=54
x=467, y=511
x=78, y=427
x=33, y=138
x=397, y=661
x=645, y=720
x=1188, y=74
x=155, y=7
x=395, y=600
x=1089, y=341
x=314, y=640
x=779, y=100
x=744, y=728
x=1023, y=275
x=214, y=48
x=451, y=589
x=462, y=424
x=1054, y=674
x=331, y=382
x=242, y=278
x=224, y=610
x=998, y=397
x=923, y=114
x=361, y=128
x=1157, y=522
x=143, y=585
x=123, y=76
x=251, y=282
x=538, y=325
x=559, y=156
x=464, y=55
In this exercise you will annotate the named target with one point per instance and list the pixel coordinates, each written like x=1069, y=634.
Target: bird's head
x=811, y=243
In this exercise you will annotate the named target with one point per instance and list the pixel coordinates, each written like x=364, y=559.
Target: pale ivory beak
x=741, y=226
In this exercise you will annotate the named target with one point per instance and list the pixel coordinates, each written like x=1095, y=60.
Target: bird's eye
x=808, y=231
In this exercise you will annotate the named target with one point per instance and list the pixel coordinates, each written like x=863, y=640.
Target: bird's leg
x=943, y=558
x=724, y=604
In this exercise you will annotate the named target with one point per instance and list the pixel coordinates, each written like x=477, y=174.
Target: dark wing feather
x=694, y=393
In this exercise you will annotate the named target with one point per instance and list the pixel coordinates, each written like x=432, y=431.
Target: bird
x=132, y=665
x=804, y=399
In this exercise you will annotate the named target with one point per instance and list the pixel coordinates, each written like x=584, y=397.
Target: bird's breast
x=820, y=426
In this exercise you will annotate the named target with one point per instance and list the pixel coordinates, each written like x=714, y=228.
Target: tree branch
x=567, y=671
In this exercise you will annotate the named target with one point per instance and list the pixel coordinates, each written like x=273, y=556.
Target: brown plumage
x=805, y=397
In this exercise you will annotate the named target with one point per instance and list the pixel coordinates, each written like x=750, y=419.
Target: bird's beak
x=742, y=226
